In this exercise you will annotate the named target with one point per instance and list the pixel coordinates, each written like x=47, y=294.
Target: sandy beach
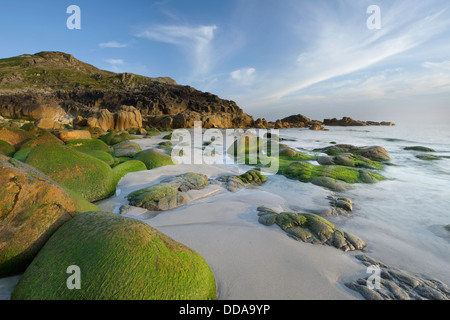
x=249, y=260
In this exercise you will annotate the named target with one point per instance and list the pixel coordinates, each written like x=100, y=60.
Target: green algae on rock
x=310, y=228
x=33, y=207
x=84, y=145
x=306, y=172
x=88, y=176
x=127, y=167
x=237, y=182
x=376, y=153
x=161, y=197
x=119, y=259
x=169, y=194
x=154, y=158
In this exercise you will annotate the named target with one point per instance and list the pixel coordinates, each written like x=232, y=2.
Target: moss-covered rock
x=112, y=138
x=84, y=145
x=310, y=228
x=170, y=193
x=6, y=149
x=306, y=172
x=33, y=207
x=127, y=167
x=154, y=158
x=376, y=153
x=101, y=155
x=119, y=259
x=350, y=160
x=162, y=197
x=126, y=149
x=77, y=171
x=237, y=182
x=44, y=138
x=188, y=181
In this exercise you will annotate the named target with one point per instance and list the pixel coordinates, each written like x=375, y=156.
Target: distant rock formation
x=294, y=121
x=349, y=122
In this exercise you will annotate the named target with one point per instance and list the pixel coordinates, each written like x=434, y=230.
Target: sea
x=402, y=219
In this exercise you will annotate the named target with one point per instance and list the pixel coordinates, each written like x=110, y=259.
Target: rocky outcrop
x=84, y=93
x=297, y=121
x=310, y=228
x=349, y=122
x=396, y=284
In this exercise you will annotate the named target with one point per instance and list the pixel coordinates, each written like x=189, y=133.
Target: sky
x=275, y=58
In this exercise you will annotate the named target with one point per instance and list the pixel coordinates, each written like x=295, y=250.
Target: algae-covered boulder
x=326, y=175
x=237, y=182
x=126, y=149
x=169, y=194
x=350, y=160
x=154, y=158
x=44, y=138
x=161, y=197
x=84, y=145
x=6, y=149
x=376, y=153
x=79, y=172
x=188, y=181
x=119, y=259
x=26, y=148
x=33, y=206
x=310, y=228
x=114, y=137
x=127, y=167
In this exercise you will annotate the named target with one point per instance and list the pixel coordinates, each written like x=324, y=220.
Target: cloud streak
x=112, y=44
x=194, y=41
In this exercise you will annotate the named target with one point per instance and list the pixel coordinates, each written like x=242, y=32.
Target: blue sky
x=274, y=58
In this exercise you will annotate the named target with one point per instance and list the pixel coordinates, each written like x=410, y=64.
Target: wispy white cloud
x=112, y=44
x=195, y=41
x=244, y=76
x=444, y=65
x=115, y=61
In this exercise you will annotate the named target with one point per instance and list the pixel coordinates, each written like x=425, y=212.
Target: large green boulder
x=33, y=207
x=88, y=176
x=84, y=145
x=154, y=158
x=126, y=149
x=119, y=259
x=123, y=169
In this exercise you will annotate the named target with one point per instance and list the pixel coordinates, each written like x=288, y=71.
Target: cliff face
x=56, y=85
